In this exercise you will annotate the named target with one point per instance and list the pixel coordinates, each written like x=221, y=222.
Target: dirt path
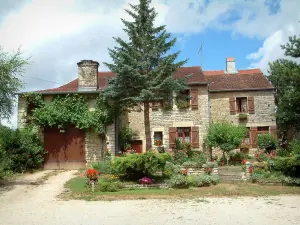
x=37, y=204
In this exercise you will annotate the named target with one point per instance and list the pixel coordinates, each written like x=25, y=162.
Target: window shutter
x=232, y=105
x=251, y=105
x=195, y=137
x=194, y=102
x=155, y=105
x=253, y=136
x=172, y=136
x=273, y=131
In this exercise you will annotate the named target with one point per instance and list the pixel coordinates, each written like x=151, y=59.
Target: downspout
x=209, y=116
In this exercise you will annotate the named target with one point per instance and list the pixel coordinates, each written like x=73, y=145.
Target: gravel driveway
x=30, y=204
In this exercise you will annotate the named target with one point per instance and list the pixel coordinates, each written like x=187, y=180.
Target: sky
x=56, y=34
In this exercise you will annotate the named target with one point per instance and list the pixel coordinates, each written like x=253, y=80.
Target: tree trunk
x=147, y=126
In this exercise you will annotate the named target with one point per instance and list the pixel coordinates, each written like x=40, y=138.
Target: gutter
x=61, y=92
x=247, y=89
x=197, y=83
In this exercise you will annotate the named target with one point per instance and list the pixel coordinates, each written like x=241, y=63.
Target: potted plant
x=243, y=116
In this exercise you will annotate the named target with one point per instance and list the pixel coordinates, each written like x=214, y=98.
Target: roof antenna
x=200, y=52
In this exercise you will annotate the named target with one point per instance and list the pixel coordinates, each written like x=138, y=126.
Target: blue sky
x=58, y=34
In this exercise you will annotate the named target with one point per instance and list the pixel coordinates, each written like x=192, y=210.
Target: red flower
x=256, y=155
x=212, y=160
x=250, y=170
x=243, y=161
x=92, y=174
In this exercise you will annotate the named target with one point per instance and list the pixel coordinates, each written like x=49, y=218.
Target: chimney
x=230, y=66
x=87, y=75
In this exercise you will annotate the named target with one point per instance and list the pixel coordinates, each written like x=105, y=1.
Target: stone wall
x=161, y=120
x=93, y=146
x=264, y=105
x=200, y=171
x=21, y=111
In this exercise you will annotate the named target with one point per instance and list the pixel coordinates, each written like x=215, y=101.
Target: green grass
x=78, y=190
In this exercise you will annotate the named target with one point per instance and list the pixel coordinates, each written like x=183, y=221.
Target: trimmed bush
x=202, y=180
x=179, y=181
x=266, y=142
x=108, y=186
x=281, y=152
x=135, y=166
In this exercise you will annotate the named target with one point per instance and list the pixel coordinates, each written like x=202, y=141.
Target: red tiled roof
x=229, y=59
x=251, y=79
x=103, y=78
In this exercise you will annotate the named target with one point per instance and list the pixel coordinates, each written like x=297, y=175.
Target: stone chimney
x=87, y=75
x=230, y=65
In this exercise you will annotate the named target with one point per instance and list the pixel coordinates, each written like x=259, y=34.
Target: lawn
x=77, y=190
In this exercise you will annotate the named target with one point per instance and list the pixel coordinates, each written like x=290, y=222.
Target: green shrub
x=202, y=180
x=104, y=167
x=267, y=142
x=281, y=152
x=107, y=186
x=295, y=147
x=179, y=181
x=290, y=166
x=22, y=147
x=171, y=169
x=135, y=166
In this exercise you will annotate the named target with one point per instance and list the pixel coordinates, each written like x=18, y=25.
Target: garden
x=181, y=168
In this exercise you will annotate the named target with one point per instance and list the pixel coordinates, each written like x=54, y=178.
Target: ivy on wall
x=71, y=109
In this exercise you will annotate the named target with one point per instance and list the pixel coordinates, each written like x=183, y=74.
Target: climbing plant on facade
x=69, y=109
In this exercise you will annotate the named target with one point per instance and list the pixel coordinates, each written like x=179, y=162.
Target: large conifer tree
x=143, y=64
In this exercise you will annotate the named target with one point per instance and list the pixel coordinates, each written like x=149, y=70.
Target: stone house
x=238, y=96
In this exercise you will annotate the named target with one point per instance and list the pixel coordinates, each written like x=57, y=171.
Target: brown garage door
x=137, y=146
x=64, y=150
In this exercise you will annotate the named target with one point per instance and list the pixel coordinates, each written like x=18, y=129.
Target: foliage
x=73, y=110
x=281, y=152
x=103, y=166
x=5, y=163
x=188, y=155
x=243, y=116
x=288, y=165
x=108, y=186
x=126, y=137
x=295, y=147
x=261, y=176
x=202, y=180
x=22, y=148
x=171, y=169
x=12, y=66
x=267, y=142
x=135, y=166
x=178, y=181
x=261, y=156
x=225, y=136
x=285, y=77
x=182, y=103
x=143, y=64
x=191, y=164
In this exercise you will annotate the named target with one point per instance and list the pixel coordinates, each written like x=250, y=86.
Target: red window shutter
x=172, y=136
x=155, y=105
x=253, y=136
x=194, y=102
x=232, y=105
x=273, y=131
x=251, y=105
x=195, y=137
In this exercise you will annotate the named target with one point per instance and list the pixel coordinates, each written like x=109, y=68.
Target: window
x=184, y=134
x=263, y=129
x=241, y=104
x=184, y=95
x=158, y=138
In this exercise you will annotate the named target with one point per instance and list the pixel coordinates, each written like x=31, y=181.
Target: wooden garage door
x=64, y=150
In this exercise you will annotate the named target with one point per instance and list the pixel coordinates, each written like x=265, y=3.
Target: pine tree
x=143, y=65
